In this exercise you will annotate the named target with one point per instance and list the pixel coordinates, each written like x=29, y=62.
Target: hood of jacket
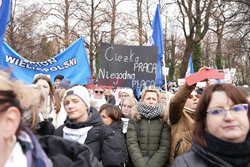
x=94, y=119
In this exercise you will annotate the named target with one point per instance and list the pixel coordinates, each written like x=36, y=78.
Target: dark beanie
x=65, y=83
x=60, y=77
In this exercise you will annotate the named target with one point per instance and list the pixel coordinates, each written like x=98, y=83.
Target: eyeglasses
x=236, y=110
x=196, y=95
x=99, y=92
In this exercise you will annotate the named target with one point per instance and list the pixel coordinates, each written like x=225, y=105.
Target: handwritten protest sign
x=127, y=66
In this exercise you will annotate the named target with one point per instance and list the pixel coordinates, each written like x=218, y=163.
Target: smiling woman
x=221, y=131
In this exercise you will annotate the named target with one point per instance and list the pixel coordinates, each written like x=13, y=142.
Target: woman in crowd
x=18, y=146
x=221, y=130
x=127, y=106
x=85, y=126
x=126, y=109
x=111, y=116
x=181, y=119
x=148, y=135
x=165, y=98
x=53, y=105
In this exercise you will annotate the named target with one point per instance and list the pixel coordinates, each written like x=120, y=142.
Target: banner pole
x=165, y=78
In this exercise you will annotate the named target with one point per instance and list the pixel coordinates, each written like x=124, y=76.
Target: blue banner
x=158, y=41
x=72, y=64
x=190, y=69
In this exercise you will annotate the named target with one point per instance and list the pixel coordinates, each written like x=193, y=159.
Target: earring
x=13, y=141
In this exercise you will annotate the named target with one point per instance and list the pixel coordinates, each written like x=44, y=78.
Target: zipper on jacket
x=148, y=136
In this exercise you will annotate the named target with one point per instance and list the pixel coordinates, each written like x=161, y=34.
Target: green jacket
x=154, y=146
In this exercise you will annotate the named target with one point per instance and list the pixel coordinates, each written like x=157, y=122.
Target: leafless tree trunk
x=139, y=19
x=192, y=38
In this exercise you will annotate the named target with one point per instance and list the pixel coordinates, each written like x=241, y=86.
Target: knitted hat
x=81, y=92
x=60, y=77
x=65, y=83
x=128, y=91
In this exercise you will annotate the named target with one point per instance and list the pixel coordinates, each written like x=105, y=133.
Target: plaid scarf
x=148, y=111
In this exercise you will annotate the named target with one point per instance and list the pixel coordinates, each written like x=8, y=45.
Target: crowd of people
x=65, y=124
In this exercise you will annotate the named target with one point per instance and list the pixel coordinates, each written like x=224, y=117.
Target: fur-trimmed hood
x=136, y=116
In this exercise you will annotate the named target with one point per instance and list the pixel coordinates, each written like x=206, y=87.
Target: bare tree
x=92, y=18
x=194, y=10
x=62, y=12
x=21, y=32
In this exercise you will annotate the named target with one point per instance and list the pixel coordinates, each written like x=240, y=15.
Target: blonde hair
x=22, y=95
x=145, y=91
x=38, y=105
x=130, y=99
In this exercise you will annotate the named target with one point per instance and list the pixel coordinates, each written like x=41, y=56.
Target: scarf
x=32, y=149
x=237, y=154
x=148, y=111
x=78, y=135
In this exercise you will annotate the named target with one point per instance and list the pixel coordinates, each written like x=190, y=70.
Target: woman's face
x=106, y=119
x=192, y=101
x=231, y=126
x=123, y=96
x=44, y=84
x=76, y=109
x=126, y=108
x=151, y=98
x=61, y=91
x=164, y=100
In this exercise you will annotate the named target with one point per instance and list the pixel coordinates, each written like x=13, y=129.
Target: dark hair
x=60, y=77
x=52, y=94
x=201, y=110
x=113, y=112
x=8, y=99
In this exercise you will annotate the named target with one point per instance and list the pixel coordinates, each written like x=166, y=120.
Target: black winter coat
x=120, y=137
x=100, y=138
x=65, y=153
x=199, y=157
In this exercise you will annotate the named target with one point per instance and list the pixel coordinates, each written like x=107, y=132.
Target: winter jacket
x=218, y=154
x=181, y=122
x=197, y=156
x=120, y=137
x=100, y=138
x=151, y=147
x=65, y=153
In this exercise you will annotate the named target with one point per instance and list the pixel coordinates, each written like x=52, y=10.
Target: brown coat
x=181, y=122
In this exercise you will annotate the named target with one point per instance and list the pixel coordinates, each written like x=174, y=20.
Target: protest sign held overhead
x=72, y=63
x=127, y=66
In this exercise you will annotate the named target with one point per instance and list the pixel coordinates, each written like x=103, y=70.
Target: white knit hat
x=128, y=91
x=81, y=92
